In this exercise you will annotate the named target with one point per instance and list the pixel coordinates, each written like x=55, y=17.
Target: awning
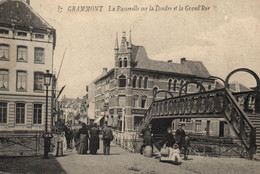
x=98, y=119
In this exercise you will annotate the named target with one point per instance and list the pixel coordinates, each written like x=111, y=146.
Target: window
x=39, y=36
x=38, y=55
x=197, y=125
x=120, y=62
x=122, y=81
x=21, y=80
x=22, y=34
x=3, y=112
x=4, y=52
x=174, y=85
x=122, y=101
x=143, y=101
x=134, y=81
x=140, y=82
x=37, y=113
x=20, y=113
x=38, y=81
x=209, y=87
x=169, y=84
x=135, y=101
x=125, y=62
x=3, y=31
x=155, y=90
x=22, y=53
x=3, y=79
x=145, y=82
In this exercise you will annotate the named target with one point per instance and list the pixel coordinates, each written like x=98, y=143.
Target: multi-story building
x=27, y=43
x=73, y=110
x=126, y=91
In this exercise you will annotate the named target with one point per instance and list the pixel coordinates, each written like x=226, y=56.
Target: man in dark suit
x=180, y=139
x=107, y=137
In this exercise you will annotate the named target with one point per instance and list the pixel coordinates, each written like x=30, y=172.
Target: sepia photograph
x=130, y=86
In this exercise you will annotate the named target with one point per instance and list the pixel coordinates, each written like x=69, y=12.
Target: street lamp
x=47, y=82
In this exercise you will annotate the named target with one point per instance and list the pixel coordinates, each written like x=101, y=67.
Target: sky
x=225, y=37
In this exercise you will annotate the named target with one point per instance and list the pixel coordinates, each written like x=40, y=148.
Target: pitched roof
x=188, y=67
x=20, y=13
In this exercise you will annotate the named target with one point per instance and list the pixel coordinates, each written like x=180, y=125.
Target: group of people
x=88, y=139
x=179, y=140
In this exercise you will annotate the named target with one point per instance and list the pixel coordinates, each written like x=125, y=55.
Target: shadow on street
x=30, y=164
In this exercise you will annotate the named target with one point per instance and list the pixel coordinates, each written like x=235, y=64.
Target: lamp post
x=47, y=82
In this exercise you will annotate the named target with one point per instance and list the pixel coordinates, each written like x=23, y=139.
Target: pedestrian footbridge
x=240, y=109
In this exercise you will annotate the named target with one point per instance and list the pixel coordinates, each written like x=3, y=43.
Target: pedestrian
x=68, y=135
x=76, y=137
x=180, y=139
x=107, y=137
x=94, y=139
x=168, y=138
x=83, y=145
x=147, y=138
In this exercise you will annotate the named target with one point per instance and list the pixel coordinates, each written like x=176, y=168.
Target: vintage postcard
x=129, y=86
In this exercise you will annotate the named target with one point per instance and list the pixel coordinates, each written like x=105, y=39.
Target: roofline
x=103, y=76
x=49, y=26
x=167, y=72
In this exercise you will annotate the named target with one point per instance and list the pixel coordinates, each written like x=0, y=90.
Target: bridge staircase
x=240, y=110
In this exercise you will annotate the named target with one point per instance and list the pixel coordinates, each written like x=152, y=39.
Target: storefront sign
x=138, y=111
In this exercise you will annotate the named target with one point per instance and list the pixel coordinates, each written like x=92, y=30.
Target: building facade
x=123, y=94
x=27, y=44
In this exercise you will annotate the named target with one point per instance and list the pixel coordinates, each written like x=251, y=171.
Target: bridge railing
x=240, y=122
x=191, y=105
x=127, y=140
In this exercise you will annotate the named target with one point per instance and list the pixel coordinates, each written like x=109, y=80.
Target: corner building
x=27, y=44
x=127, y=90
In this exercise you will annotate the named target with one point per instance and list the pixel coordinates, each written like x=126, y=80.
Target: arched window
x=125, y=62
x=140, y=82
x=145, y=82
x=134, y=81
x=174, y=85
x=120, y=62
x=169, y=84
x=155, y=90
x=122, y=81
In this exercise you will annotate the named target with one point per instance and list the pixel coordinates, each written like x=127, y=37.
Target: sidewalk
x=123, y=162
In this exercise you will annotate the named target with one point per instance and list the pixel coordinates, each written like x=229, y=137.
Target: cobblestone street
x=121, y=161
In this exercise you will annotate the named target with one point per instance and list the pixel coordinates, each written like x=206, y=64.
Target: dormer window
x=22, y=53
x=22, y=34
x=3, y=31
x=39, y=36
x=4, y=52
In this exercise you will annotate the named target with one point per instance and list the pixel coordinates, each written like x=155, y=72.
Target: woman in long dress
x=83, y=145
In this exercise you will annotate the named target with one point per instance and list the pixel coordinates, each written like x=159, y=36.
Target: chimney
x=169, y=61
x=28, y=2
x=104, y=70
x=183, y=60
